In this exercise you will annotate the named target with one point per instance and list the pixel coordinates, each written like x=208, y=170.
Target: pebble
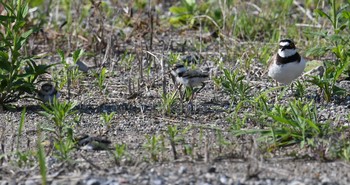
x=156, y=181
x=212, y=170
x=182, y=170
x=223, y=179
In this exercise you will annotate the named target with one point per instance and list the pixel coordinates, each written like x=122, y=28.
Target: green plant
x=184, y=14
x=119, y=152
x=127, y=60
x=174, y=58
x=154, y=145
x=70, y=73
x=327, y=82
x=22, y=157
x=345, y=152
x=189, y=92
x=300, y=89
x=191, y=13
x=337, y=44
x=17, y=72
x=172, y=135
x=101, y=79
x=107, y=118
x=180, y=138
x=260, y=27
x=177, y=137
x=73, y=73
x=58, y=112
x=259, y=108
x=222, y=142
x=20, y=127
x=233, y=84
x=295, y=123
x=41, y=158
x=167, y=102
x=67, y=7
x=335, y=16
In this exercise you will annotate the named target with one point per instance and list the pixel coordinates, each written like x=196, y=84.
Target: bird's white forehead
x=181, y=69
x=284, y=43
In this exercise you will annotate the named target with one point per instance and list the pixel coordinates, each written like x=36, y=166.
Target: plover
x=87, y=142
x=287, y=64
x=48, y=92
x=189, y=79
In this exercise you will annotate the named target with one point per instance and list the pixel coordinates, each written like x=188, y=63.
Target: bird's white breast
x=286, y=73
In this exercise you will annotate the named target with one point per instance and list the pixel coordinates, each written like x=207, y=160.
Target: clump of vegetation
x=335, y=43
x=63, y=128
x=130, y=44
x=18, y=72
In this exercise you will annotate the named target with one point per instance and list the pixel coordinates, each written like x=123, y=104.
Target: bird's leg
x=181, y=97
x=197, y=91
x=193, y=95
x=190, y=104
x=173, y=79
x=278, y=91
x=203, y=85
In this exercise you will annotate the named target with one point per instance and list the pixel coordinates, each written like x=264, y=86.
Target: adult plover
x=287, y=64
x=48, y=92
x=189, y=79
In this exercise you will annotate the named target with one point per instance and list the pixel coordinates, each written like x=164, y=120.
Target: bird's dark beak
x=283, y=48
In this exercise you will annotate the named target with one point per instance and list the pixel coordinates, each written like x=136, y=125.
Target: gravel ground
x=240, y=162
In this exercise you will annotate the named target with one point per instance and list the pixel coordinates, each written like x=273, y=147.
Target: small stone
x=30, y=182
x=81, y=65
x=153, y=171
x=93, y=182
x=156, y=181
x=295, y=182
x=204, y=183
x=209, y=176
x=182, y=170
x=212, y=170
x=223, y=179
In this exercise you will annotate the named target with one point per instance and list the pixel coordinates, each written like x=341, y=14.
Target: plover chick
x=48, y=92
x=189, y=79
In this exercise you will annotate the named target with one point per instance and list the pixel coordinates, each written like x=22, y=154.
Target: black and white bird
x=188, y=78
x=48, y=92
x=87, y=142
x=287, y=64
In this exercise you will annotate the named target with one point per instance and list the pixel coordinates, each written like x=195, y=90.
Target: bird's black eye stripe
x=289, y=47
x=180, y=74
x=286, y=40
